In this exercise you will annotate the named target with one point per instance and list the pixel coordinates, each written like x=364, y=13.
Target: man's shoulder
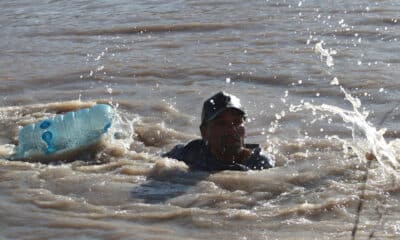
x=195, y=144
x=181, y=150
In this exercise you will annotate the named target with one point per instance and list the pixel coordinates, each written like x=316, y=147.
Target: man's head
x=222, y=125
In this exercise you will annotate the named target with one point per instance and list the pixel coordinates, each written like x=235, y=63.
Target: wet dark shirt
x=198, y=156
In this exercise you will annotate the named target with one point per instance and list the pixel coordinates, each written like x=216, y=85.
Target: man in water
x=222, y=145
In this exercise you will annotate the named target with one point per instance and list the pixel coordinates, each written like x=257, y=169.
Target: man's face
x=225, y=134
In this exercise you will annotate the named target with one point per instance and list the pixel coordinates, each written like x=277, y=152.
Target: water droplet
x=272, y=105
x=100, y=68
x=109, y=90
x=334, y=81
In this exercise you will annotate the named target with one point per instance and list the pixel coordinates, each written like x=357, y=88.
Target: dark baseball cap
x=218, y=103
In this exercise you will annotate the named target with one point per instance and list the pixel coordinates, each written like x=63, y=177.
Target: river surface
x=319, y=81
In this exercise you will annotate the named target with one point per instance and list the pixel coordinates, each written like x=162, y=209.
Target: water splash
x=325, y=53
x=334, y=81
x=358, y=124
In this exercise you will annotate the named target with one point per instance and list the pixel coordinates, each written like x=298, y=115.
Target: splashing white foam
x=122, y=131
x=325, y=53
x=375, y=142
x=334, y=81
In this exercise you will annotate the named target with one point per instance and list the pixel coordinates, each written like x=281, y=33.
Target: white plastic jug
x=64, y=131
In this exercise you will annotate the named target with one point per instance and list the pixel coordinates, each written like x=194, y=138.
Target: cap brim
x=215, y=114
